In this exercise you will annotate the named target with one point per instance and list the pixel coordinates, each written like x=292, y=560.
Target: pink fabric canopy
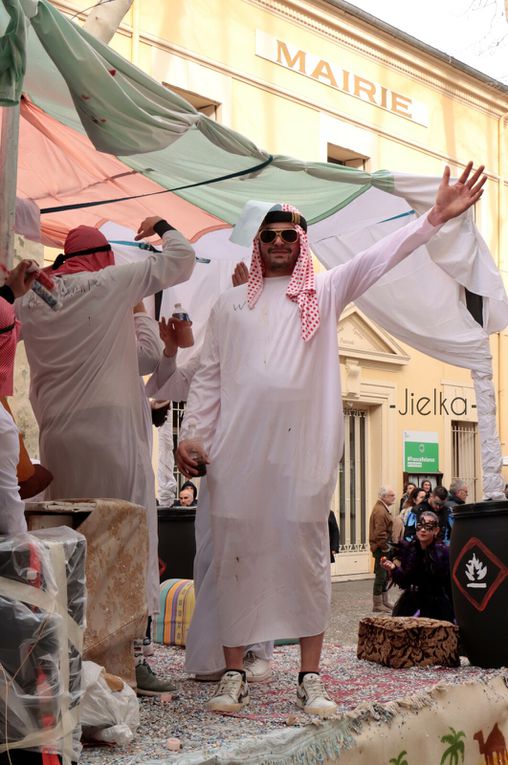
x=58, y=166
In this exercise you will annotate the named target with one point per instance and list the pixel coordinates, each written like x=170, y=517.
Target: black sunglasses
x=268, y=235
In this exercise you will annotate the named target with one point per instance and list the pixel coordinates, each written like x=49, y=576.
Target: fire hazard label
x=478, y=573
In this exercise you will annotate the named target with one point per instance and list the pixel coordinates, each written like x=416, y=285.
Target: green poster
x=421, y=452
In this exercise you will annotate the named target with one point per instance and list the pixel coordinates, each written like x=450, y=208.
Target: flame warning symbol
x=475, y=572
x=478, y=573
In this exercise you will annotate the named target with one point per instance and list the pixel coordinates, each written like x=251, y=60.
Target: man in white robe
x=84, y=374
x=264, y=411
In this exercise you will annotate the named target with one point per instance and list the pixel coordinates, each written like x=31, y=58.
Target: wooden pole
x=8, y=177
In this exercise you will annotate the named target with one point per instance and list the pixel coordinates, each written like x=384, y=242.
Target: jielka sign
x=335, y=76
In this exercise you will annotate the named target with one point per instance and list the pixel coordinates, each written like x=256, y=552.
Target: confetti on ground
x=272, y=706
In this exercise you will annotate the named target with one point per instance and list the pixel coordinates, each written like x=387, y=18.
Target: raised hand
x=167, y=332
x=21, y=278
x=146, y=227
x=454, y=199
x=240, y=275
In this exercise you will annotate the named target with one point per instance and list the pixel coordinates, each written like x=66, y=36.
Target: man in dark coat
x=380, y=533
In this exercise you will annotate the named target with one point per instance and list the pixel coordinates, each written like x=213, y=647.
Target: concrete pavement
x=351, y=601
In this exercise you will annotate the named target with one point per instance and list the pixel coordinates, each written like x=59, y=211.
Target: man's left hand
x=454, y=199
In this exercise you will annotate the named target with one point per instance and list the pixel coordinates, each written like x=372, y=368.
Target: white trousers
x=165, y=478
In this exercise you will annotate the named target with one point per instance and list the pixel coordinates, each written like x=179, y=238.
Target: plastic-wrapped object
x=116, y=568
x=42, y=609
x=107, y=715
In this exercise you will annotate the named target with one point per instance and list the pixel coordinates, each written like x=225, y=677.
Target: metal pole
x=8, y=177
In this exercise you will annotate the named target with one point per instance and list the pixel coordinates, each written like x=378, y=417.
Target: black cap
x=284, y=216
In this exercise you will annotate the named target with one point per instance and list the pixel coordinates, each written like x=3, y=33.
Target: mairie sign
x=421, y=452
x=334, y=75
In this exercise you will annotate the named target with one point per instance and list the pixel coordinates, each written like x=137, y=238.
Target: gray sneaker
x=148, y=684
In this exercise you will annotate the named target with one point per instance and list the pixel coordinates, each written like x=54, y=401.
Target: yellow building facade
x=324, y=81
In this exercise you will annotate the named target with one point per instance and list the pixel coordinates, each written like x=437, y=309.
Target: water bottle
x=184, y=335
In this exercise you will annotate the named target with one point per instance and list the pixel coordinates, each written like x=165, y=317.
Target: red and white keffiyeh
x=9, y=332
x=302, y=285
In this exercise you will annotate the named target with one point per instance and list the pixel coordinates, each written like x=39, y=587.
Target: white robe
x=203, y=649
x=169, y=383
x=12, y=508
x=149, y=351
x=268, y=407
x=85, y=388
x=149, y=347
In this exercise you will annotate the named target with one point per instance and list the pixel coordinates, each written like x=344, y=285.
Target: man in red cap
x=84, y=387
x=264, y=410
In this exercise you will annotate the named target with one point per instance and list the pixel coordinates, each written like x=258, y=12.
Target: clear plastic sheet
x=42, y=607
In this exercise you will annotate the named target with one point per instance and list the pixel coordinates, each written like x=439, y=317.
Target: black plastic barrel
x=177, y=545
x=479, y=568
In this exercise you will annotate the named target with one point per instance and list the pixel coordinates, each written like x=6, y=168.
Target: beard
x=284, y=262
x=280, y=265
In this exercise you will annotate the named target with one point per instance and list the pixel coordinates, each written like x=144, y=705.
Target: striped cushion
x=176, y=608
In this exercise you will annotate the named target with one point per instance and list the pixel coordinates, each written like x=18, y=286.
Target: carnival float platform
x=417, y=716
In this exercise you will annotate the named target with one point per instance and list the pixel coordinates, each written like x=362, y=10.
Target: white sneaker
x=257, y=670
x=312, y=697
x=231, y=695
x=148, y=649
